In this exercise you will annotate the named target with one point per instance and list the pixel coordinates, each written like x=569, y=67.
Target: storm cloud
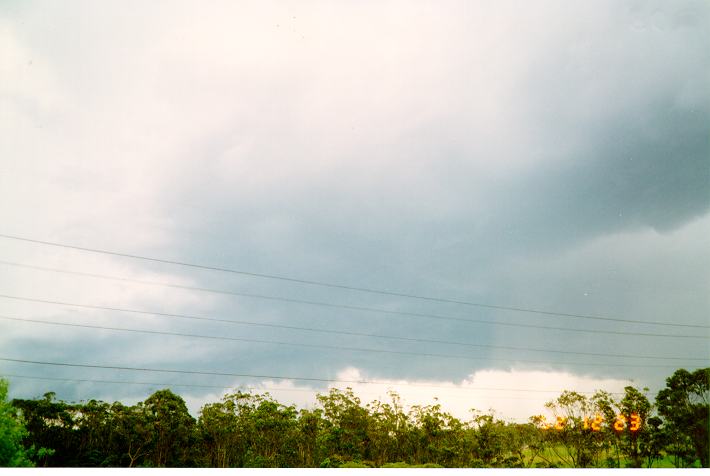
x=550, y=156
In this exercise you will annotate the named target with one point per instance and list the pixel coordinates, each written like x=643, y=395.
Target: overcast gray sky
x=543, y=155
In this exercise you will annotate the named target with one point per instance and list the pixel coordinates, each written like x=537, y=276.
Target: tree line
x=255, y=430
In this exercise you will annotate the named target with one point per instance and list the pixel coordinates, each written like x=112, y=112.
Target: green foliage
x=388, y=431
x=525, y=442
x=168, y=425
x=652, y=441
x=582, y=446
x=493, y=443
x=402, y=464
x=132, y=435
x=624, y=443
x=331, y=462
x=634, y=402
x=252, y=430
x=12, y=431
x=354, y=464
x=346, y=423
x=684, y=406
x=246, y=430
x=50, y=425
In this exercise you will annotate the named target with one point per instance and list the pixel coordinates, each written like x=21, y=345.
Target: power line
x=277, y=377
x=122, y=382
x=234, y=387
x=349, y=307
x=322, y=346
x=161, y=384
x=336, y=332
x=341, y=286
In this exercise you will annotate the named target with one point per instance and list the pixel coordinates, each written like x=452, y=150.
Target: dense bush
x=248, y=430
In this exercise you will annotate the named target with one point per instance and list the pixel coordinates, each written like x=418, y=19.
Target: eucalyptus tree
x=577, y=427
x=132, y=437
x=625, y=419
x=172, y=429
x=50, y=425
x=346, y=425
x=311, y=437
x=388, y=430
x=684, y=406
x=525, y=442
x=250, y=430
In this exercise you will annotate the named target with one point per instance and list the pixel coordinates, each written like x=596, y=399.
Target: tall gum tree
x=684, y=405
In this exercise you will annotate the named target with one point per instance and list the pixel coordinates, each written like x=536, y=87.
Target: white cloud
x=521, y=393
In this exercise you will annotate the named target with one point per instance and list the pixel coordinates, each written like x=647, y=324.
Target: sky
x=472, y=162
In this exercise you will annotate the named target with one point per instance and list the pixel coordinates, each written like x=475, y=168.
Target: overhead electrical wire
x=336, y=332
x=122, y=382
x=355, y=308
x=281, y=377
x=330, y=331
x=338, y=286
x=161, y=384
x=257, y=390
x=331, y=347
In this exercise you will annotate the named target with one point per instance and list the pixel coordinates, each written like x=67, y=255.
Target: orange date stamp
x=631, y=422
